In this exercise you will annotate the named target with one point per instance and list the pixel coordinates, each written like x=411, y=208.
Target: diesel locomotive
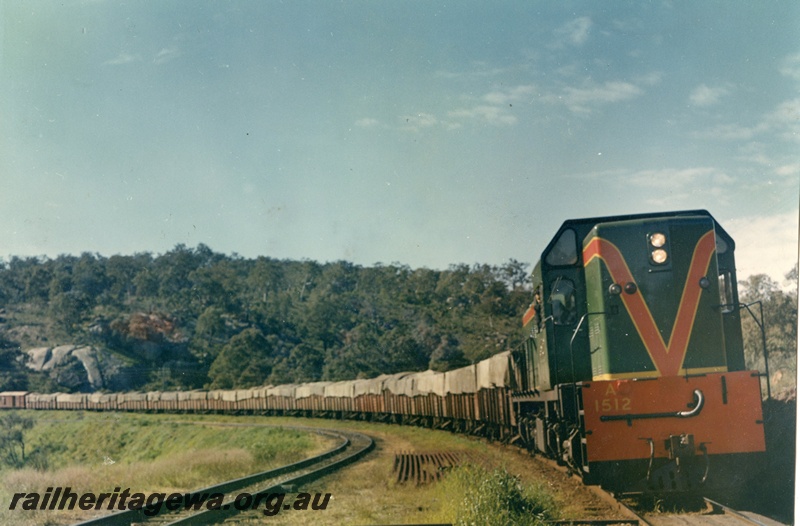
x=633, y=364
x=632, y=370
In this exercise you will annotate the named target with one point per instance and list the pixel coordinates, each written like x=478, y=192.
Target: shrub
x=494, y=498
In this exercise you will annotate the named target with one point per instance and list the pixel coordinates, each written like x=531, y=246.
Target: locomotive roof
x=583, y=226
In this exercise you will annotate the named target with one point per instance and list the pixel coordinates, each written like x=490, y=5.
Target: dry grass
x=148, y=454
x=177, y=472
x=367, y=494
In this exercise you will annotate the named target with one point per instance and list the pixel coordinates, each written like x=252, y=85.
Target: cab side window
x=726, y=292
x=562, y=301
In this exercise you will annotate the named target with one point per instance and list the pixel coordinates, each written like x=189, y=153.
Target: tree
x=515, y=275
x=12, y=439
x=69, y=309
x=245, y=361
x=304, y=364
x=447, y=355
x=780, y=320
x=211, y=333
x=13, y=376
x=121, y=272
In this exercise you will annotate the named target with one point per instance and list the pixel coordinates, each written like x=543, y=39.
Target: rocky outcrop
x=79, y=367
x=73, y=366
x=85, y=368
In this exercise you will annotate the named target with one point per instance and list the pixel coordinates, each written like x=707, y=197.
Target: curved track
x=351, y=447
x=715, y=514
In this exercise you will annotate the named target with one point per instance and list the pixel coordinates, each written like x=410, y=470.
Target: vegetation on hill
x=193, y=318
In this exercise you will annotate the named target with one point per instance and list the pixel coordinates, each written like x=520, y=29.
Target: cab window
x=562, y=301
x=726, y=292
x=564, y=251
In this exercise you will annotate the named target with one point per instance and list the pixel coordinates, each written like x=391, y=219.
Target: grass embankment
x=97, y=452
x=502, y=478
x=151, y=453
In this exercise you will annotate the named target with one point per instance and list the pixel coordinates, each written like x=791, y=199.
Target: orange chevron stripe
x=668, y=358
x=528, y=316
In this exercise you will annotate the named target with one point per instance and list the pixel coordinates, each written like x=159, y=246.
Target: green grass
x=157, y=453
x=63, y=439
x=97, y=452
x=472, y=494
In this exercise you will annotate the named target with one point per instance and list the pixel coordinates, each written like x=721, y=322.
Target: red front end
x=673, y=433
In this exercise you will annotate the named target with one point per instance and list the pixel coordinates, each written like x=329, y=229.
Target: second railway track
x=351, y=447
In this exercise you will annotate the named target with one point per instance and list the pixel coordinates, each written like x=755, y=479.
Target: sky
x=425, y=133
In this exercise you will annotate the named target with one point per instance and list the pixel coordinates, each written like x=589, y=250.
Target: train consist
x=632, y=371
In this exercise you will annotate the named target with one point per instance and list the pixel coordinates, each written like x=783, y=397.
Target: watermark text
x=152, y=504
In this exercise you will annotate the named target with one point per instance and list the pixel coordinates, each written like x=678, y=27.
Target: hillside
x=193, y=318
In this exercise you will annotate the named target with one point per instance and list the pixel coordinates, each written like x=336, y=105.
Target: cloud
x=581, y=100
x=418, y=121
x=784, y=167
x=698, y=177
x=166, y=55
x=678, y=184
x=788, y=170
x=783, y=122
x=653, y=188
x=481, y=70
x=790, y=66
x=122, y=58
x=728, y=132
x=496, y=115
x=510, y=95
x=765, y=244
x=491, y=108
x=650, y=79
x=703, y=95
x=574, y=33
x=367, y=122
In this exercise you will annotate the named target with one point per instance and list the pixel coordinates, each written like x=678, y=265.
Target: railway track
x=284, y=480
x=714, y=514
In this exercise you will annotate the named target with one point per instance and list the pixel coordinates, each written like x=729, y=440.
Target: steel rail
x=732, y=512
x=720, y=514
x=136, y=516
x=361, y=445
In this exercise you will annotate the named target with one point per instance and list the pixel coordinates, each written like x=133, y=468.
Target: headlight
x=659, y=256
x=658, y=239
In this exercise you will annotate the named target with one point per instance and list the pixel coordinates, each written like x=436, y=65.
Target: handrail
x=762, y=327
x=699, y=400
